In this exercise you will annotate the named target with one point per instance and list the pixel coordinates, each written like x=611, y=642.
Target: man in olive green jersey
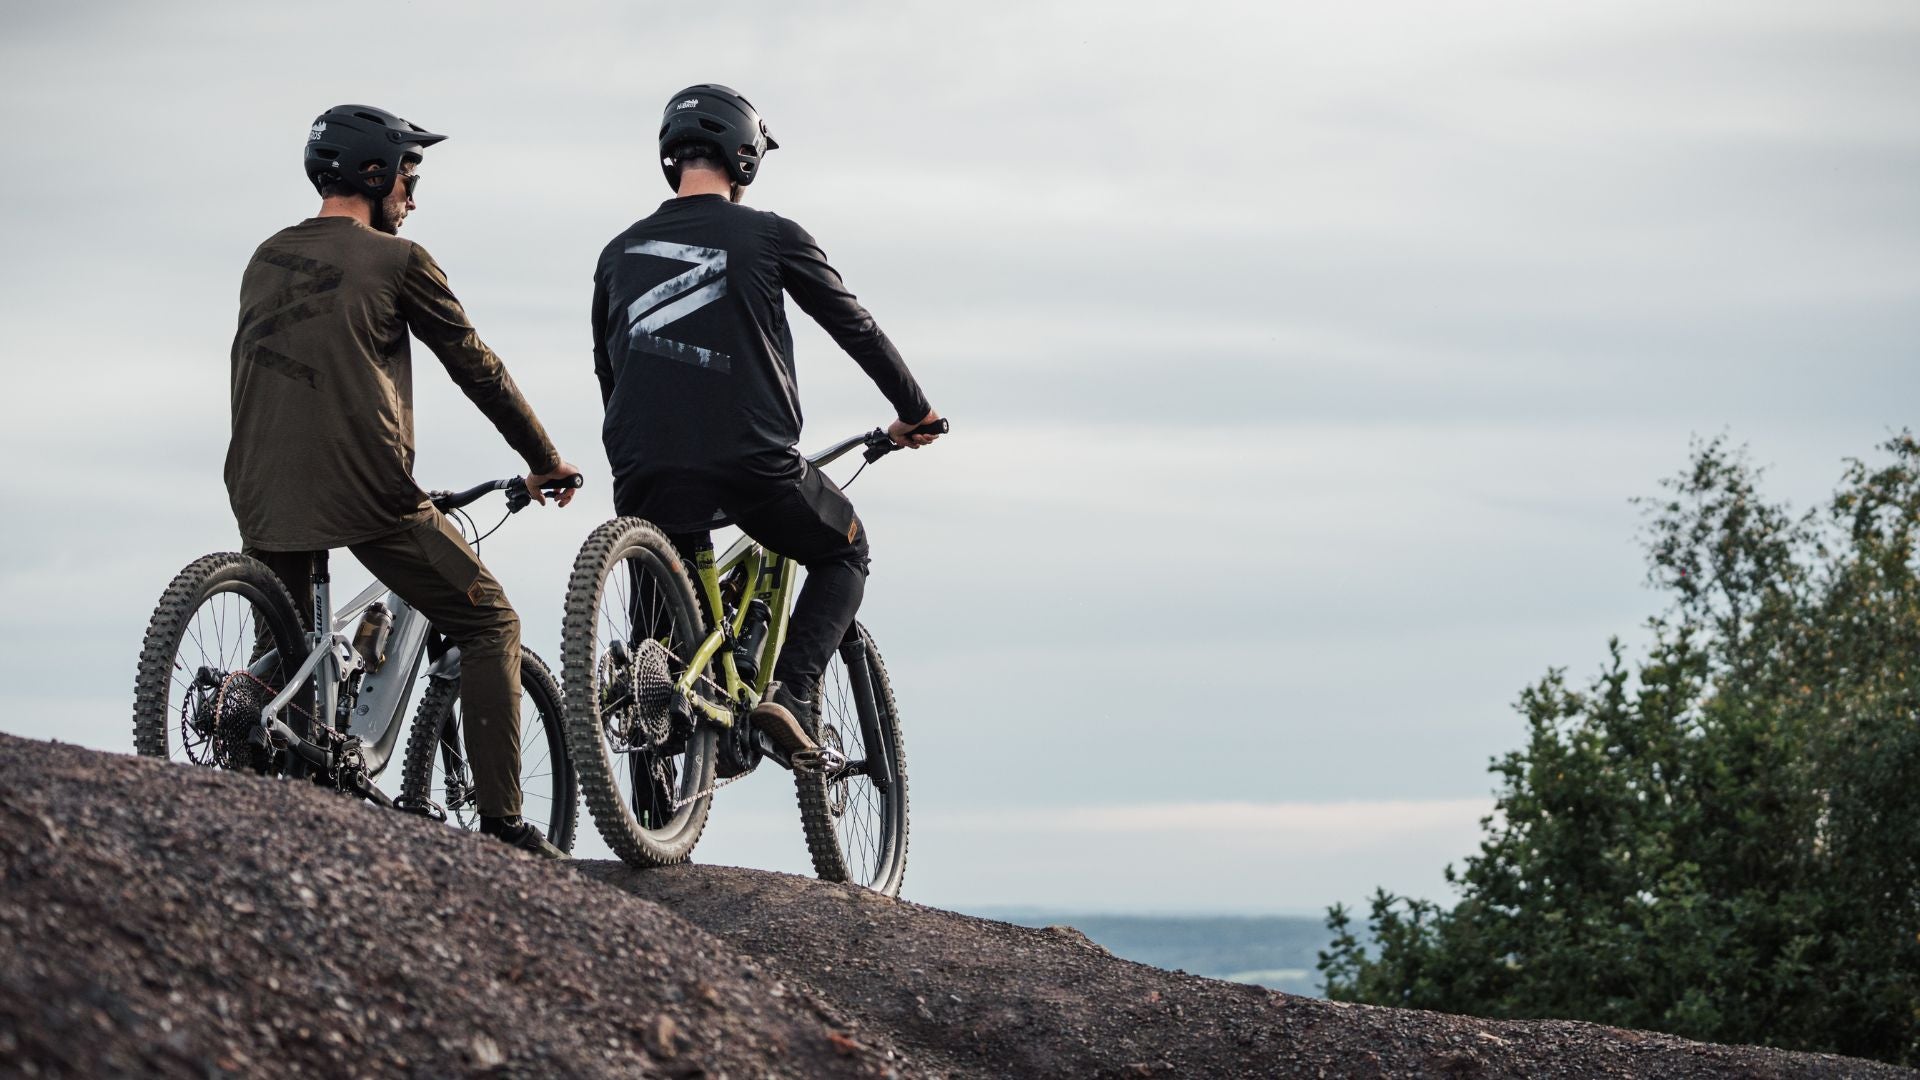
x=322, y=445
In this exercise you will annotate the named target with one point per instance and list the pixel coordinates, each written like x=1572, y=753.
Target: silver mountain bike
x=229, y=678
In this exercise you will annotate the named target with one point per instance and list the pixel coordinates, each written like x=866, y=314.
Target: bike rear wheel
x=219, y=645
x=632, y=624
x=437, y=770
x=856, y=823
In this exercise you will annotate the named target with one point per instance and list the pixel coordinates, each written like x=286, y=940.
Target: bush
x=1721, y=840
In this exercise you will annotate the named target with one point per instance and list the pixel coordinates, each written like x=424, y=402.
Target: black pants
x=806, y=518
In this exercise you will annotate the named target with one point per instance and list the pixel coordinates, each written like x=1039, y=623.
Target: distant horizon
x=1010, y=912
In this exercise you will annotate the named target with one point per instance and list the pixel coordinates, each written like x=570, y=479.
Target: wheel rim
x=864, y=822
x=658, y=790
x=228, y=632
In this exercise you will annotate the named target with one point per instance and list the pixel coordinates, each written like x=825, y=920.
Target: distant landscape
x=1275, y=951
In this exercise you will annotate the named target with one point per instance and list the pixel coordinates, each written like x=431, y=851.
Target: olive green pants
x=430, y=567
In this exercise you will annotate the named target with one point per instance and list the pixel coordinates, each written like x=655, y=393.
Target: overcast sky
x=1302, y=360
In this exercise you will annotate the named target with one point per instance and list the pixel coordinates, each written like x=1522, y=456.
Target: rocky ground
x=163, y=921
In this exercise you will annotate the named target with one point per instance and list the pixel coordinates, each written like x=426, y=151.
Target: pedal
x=426, y=808
x=825, y=759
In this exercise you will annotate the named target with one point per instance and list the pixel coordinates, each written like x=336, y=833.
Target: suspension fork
x=853, y=653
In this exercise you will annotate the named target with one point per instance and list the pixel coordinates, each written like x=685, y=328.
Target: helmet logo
x=688, y=104
x=319, y=126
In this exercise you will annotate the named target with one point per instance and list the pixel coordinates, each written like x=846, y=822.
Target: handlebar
x=876, y=442
x=514, y=486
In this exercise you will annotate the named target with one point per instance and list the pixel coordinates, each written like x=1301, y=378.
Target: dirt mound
x=979, y=998
x=165, y=921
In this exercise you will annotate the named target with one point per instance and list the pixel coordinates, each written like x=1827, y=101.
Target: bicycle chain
x=711, y=788
x=720, y=692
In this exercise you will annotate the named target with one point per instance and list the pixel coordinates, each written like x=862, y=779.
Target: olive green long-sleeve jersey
x=321, y=454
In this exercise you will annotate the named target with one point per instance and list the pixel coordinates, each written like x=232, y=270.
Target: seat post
x=327, y=675
x=322, y=612
x=320, y=690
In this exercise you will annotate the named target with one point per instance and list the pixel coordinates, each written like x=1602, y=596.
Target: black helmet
x=346, y=137
x=711, y=113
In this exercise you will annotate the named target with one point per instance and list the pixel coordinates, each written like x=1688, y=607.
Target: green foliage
x=1721, y=840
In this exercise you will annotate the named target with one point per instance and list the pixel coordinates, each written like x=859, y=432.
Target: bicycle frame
x=769, y=577
x=384, y=695
x=382, y=698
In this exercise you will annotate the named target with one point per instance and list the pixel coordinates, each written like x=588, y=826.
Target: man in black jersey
x=695, y=360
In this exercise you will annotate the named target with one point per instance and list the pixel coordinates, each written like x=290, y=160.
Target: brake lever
x=880, y=444
x=518, y=499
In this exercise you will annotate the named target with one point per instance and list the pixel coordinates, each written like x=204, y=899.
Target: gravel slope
x=157, y=920
x=166, y=921
x=972, y=997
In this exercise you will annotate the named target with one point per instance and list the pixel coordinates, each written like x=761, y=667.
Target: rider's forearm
x=514, y=419
x=820, y=292
x=856, y=333
x=888, y=371
x=435, y=316
x=481, y=376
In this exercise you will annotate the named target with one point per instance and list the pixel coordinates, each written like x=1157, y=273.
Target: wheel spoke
x=863, y=818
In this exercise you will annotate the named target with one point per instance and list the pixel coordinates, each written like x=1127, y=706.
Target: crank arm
x=359, y=784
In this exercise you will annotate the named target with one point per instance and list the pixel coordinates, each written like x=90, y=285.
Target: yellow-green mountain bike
x=665, y=652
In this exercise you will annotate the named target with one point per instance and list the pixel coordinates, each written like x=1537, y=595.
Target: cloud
x=1302, y=357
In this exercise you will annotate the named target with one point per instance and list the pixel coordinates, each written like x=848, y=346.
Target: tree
x=1722, y=839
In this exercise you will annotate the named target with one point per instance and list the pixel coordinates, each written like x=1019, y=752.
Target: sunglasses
x=411, y=180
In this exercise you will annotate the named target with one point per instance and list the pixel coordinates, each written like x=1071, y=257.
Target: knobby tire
x=607, y=551
x=430, y=729
x=837, y=841
x=172, y=627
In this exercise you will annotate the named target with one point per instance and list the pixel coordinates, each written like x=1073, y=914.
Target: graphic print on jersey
x=676, y=298
x=313, y=294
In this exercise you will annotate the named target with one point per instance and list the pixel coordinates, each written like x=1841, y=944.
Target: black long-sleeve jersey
x=693, y=351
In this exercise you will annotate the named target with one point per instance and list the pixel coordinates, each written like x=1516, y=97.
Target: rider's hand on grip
x=915, y=436
x=562, y=482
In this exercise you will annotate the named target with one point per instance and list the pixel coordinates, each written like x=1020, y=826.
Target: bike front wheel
x=220, y=645
x=855, y=817
x=632, y=626
x=437, y=768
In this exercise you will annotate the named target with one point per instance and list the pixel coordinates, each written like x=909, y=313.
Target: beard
x=389, y=212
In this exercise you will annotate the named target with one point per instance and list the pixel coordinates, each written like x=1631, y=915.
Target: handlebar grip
x=516, y=488
x=880, y=444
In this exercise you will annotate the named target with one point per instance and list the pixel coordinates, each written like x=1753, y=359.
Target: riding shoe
x=778, y=717
x=520, y=833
